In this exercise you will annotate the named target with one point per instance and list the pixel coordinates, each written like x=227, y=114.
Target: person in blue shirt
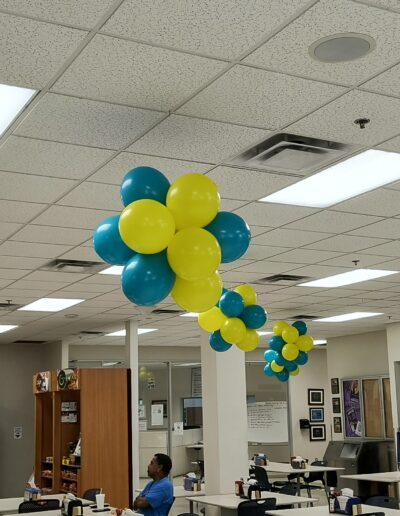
x=158, y=495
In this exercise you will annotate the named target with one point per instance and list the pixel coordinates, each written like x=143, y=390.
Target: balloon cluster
x=171, y=239
x=234, y=320
x=288, y=349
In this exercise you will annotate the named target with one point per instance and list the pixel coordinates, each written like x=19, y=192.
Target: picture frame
x=316, y=414
x=335, y=385
x=315, y=396
x=337, y=425
x=336, y=406
x=317, y=433
x=164, y=404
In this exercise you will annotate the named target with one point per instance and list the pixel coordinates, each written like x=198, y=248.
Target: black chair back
x=262, y=478
x=383, y=501
x=289, y=489
x=48, y=504
x=169, y=508
x=256, y=507
x=315, y=476
x=90, y=494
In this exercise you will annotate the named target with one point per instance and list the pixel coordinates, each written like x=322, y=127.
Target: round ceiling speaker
x=338, y=48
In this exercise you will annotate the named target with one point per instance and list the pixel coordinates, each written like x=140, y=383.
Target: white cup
x=100, y=500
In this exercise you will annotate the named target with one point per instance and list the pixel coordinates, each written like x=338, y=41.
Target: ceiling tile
x=52, y=159
x=259, y=98
x=391, y=145
x=272, y=215
x=32, y=51
x=94, y=195
x=346, y=244
x=33, y=249
x=266, y=268
x=59, y=277
x=288, y=50
x=22, y=187
x=230, y=204
x=82, y=253
x=114, y=171
x=60, y=11
x=260, y=252
x=15, y=211
x=50, y=235
x=386, y=249
x=364, y=260
x=290, y=238
x=319, y=271
x=72, y=217
x=50, y=286
x=388, y=228
x=86, y=122
x=7, y=229
x=224, y=29
x=21, y=262
x=383, y=201
x=12, y=274
x=387, y=83
x=193, y=139
x=304, y=256
x=384, y=4
x=130, y=73
x=332, y=222
x=341, y=113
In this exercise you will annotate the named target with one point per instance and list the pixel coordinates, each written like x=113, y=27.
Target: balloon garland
x=288, y=350
x=234, y=320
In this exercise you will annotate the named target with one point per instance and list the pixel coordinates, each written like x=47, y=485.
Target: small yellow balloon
x=290, y=334
x=305, y=343
x=193, y=200
x=275, y=367
x=197, y=296
x=279, y=326
x=248, y=294
x=290, y=351
x=212, y=320
x=143, y=375
x=233, y=330
x=146, y=226
x=250, y=341
x=295, y=372
x=194, y=253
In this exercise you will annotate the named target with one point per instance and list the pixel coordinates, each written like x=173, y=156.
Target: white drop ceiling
x=185, y=86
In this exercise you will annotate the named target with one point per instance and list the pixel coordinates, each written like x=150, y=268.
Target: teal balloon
x=279, y=359
x=233, y=235
x=218, y=343
x=108, y=243
x=147, y=279
x=231, y=304
x=268, y=371
x=276, y=343
x=290, y=366
x=222, y=293
x=283, y=376
x=301, y=327
x=270, y=355
x=302, y=359
x=254, y=317
x=144, y=183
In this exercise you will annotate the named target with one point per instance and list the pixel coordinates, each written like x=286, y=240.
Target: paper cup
x=100, y=500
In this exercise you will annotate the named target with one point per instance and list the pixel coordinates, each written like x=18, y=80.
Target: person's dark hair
x=164, y=461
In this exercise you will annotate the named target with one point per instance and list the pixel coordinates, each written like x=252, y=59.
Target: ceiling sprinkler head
x=362, y=122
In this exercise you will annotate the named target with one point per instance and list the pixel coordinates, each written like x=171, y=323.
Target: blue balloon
x=147, y=279
x=283, y=376
x=108, y=243
x=231, y=303
x=276, y=343
x=279, y=359
x=218, y=343
x=233, y=235
x=301, y=327
x=270, y=355
x=254, y=317
x=302, y=359
x=290, y=366
x=144, y=183
x=268, y=371
x=222, y=293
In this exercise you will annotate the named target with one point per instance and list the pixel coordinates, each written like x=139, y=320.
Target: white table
x=87, y=511
x=181, y=492
x=323, y=510
x=10, y=505
x=388, y=477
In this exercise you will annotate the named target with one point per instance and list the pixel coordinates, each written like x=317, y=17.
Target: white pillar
x=132, y=359
x=64, y=355
x=224, y=417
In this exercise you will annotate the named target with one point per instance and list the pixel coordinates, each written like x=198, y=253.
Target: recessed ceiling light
x=319, y=342
x=115, y=270
x=354, y=176
x=12, y=101
x=261, y=333
x=348, y=317
x=50, y=304
x=122, y=333
x=7, y=327
x=190, y=314
x=338, y=48
x=347, y=278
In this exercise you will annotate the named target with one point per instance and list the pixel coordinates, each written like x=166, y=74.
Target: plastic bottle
x=332, y=499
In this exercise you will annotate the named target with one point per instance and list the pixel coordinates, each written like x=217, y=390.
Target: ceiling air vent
x=304, y=317
x=9, y=307
x=91, y=332
x=29, y=341
x=291, y=153
x=282, y=278
x=166, y=311
x=61, y=265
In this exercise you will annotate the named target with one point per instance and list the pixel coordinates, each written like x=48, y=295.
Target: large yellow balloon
x=194, y=253
x=275, y=367
x=212, y=320
x=290, y=351
x=290, y=334
x=279, y=326
x=248, y=294
x=193, y=200
x=305, y=343
x=250, y=341
x=233, y=330
x=199, y=295
x=146, y=226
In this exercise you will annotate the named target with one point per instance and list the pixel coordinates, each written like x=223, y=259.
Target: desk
x=87, y=511
x=323, y=510
x=10, y=505
x=389, y=477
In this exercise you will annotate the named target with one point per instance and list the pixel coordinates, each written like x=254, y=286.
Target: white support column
x=224, y=417
x=132, y=360
x=64, y=354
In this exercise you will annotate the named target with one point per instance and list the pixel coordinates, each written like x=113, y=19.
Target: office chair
x=256, y=507
x=261, y=476
x=90, y=494
x=49, y=504
x=169, y=508
x=383, y=501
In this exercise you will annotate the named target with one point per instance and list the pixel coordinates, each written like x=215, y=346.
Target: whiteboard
x=267, y=422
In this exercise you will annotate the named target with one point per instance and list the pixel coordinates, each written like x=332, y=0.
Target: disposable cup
x=100, y=500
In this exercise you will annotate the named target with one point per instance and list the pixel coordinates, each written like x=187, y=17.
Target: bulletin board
x=267, y=422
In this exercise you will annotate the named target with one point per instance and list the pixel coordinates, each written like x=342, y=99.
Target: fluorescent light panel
x=348, y=278
x=7, y=327
x=122, y=333
x=50, y=304
x=190, y=314
x=115, y=270
x=348, y=317
x=354, y=176
x=12, y=101
x=261, y=333
x=318, y=342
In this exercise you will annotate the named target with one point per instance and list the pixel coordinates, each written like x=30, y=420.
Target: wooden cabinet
x=93, y=407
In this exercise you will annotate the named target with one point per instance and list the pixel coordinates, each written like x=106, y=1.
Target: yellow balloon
x=142, y=375
x=212, y=320
x=248, y=294
x=279, y=326
x=290, y=351
x=199, y=295
x=193, y=200
x=275, y=367
x=194, y=253
x=250, y=341
x=146, y=226
x=290, y=334
x=295, y=372
x=305, y=343
x=233, y=330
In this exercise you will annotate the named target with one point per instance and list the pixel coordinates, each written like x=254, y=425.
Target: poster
x=352, y=408
x=196, y=382
x=157, y=417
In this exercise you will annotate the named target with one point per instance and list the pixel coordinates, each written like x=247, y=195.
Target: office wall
x=393, y=349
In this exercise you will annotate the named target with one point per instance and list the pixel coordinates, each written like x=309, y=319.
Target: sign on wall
x=267, y=422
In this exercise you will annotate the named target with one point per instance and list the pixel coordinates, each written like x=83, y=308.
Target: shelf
x=69, y=479
x=47, y=476
x=71, y=466
x=47, y=462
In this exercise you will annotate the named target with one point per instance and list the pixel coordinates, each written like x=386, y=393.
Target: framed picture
x=337, y=425
x=315, y=396
x=164, y=404
x=317, y=433
x=352, y=408
x=336, y=409
x=335, y=385
x=316, y=414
